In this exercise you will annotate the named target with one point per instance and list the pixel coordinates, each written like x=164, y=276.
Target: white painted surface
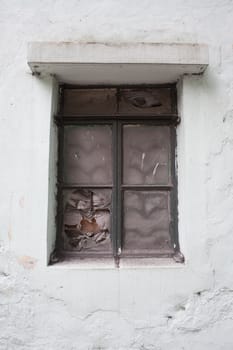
x=154, y=53
x=117, y=73
x=189, y=307
x=104, y=63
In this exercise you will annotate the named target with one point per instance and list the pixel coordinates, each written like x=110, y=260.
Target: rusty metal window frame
x=117, y=121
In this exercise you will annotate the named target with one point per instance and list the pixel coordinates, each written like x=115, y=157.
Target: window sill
x=109, y=264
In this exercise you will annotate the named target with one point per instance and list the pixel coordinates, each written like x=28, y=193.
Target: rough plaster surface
x=186, y=307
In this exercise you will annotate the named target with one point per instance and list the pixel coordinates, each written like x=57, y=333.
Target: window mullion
x=114, y=190
x=116, y=212
x=119, y=189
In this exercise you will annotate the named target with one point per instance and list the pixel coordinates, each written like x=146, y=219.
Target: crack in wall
x=201, y=311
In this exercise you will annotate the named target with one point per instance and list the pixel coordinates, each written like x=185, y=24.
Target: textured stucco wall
x=175, y=307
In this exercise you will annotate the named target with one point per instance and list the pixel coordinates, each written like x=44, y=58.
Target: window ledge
x=123, y=63
x=109, y=264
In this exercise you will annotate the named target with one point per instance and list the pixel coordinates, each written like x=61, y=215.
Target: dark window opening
x=117, y=186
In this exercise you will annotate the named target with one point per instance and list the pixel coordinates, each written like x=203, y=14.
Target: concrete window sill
x=126, y=263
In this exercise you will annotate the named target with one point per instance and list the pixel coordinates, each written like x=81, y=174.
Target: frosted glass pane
x=90, y=102
x=146, y=158
x=146, y=222
x=86, y=220
x=88, y=154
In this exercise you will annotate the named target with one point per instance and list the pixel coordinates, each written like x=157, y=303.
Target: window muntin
x=117, y=184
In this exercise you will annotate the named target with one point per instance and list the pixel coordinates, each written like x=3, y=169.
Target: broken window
x=116, y=180
x=86, y=220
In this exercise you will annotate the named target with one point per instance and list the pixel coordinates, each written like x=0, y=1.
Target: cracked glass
x=86, y=220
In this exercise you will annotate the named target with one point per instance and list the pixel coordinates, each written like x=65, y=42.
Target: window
x=116, y=174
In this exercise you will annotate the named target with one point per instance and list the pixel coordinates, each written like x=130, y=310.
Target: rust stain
x=89, y=226
x=88, y=232
x=27, y=262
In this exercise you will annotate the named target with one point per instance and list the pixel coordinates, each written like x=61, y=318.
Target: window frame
x=117, y=121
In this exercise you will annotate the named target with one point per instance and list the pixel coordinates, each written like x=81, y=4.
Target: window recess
x=117, y=186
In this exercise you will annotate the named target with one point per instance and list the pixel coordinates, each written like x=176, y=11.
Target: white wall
x=175, y=307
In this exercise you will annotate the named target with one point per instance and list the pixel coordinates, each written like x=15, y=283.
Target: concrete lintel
x=117, y=63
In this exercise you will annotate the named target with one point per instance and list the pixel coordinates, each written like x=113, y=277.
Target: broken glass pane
x=146, y=222
x=86, y=220
x=146, y=155
x=145, y=101
x=88, y=154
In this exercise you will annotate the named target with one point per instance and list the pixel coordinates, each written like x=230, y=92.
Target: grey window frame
x=117, y=121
